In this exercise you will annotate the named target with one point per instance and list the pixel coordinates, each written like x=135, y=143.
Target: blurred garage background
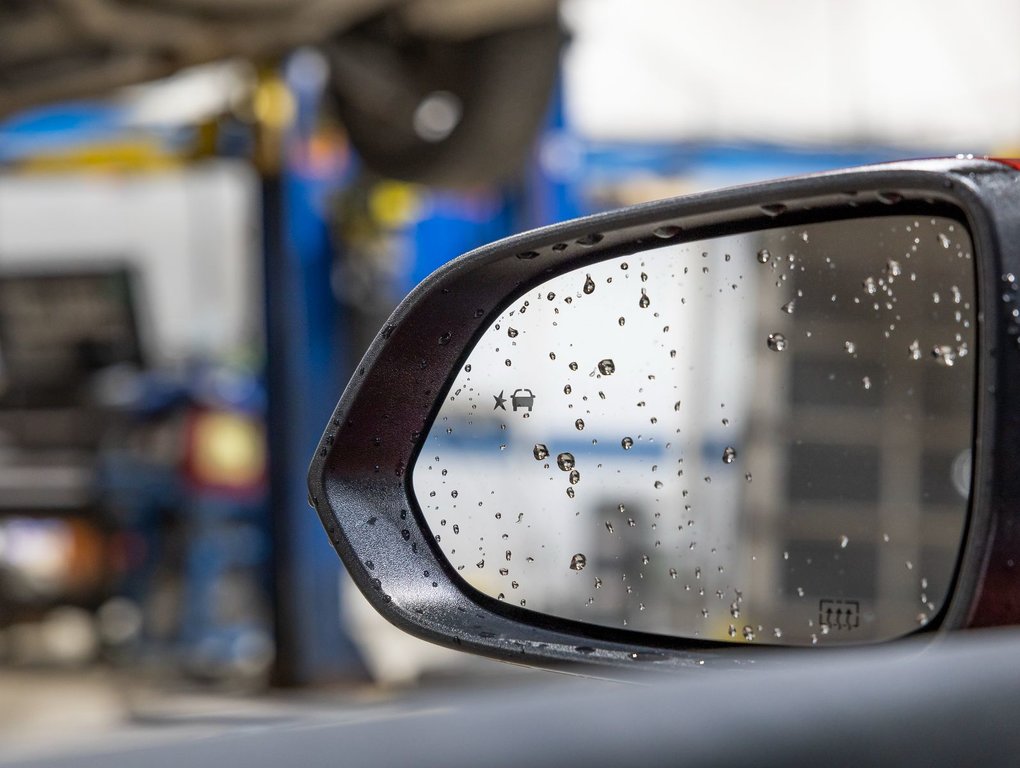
x=207, y=210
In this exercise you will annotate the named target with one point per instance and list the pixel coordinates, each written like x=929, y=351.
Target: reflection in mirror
x=763, y=437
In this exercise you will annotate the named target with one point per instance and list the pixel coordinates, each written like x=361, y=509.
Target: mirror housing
x=359, y=480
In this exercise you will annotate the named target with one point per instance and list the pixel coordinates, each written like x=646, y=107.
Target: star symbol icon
x=500, y=401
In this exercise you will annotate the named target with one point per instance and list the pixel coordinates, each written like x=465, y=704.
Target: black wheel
x=444, y=112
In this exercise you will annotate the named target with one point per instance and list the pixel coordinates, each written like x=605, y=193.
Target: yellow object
x=115, y=156
x=227, y=450
x=394, y=204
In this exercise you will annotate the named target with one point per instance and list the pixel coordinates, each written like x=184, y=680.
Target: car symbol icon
x=522, y=398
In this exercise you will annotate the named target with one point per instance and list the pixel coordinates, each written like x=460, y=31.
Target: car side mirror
x=775, y=415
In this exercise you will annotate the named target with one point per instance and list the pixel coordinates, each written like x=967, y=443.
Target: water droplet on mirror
x=570, y=491
x=729, y=454
x=578, y=561
x=776, y=342
x=540, y=451
x=843, y=541
x=627, y=443
x=870, y=286
x=480, y=564
x=749, y=631
x=893, y=269
x=579, y=424
x=575, y=477
x=572, y=366
x=915, y=350
x=511, y=332
x=644, y=302
x=589, y=285
x=609, y=526
x=764, y=256
x=788, y=307
x=849, y=346
x=565, y=461
x=607, y=367
x=944, y=355
x=866, y=381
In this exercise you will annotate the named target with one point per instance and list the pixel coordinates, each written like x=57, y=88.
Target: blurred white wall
x=916, y=73
x=191, y=233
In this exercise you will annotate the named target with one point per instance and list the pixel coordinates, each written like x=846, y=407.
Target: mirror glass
x=756, y=438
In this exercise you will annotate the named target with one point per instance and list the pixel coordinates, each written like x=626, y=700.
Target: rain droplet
x=540, y=452
x=943, y=240
x=866, y=381
x=764, y=256
x=609, y=526
x=511, y=332
x=565, y=461
x=729, y=454
x=578, y=561
x=915, y=350
x=589, y=285
x=644, y=301
x=944, y=355
x=776, y=342
x=849, y=346
x=579, y=424
x=870, y=286
x=567, y=389
x=575, y=477
x=627, y=443
x=789, y=306
x=893, y=269
x=570, y=491
x=572, y=366
x=748, y=631
x=843, y=541
x=666, y=231
x=607, y=367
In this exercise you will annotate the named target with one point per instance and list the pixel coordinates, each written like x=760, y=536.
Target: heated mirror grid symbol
x=758, y=438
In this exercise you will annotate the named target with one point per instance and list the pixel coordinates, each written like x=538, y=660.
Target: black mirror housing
x=359, y=480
